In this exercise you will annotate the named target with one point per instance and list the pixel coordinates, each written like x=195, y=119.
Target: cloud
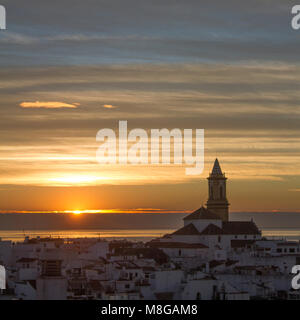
x=254, y=31
x=48, y=105
x=17, y=38
x=239, y=98
x=109, y=106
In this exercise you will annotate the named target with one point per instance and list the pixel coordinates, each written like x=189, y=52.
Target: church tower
x=217, y=200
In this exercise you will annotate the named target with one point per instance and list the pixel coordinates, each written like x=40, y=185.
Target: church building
x=210, y=226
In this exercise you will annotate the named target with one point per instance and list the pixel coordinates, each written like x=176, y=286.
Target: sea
x=128, y=234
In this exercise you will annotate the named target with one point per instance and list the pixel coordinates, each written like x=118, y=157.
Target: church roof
x=212, y=229
x=240, y=227
x=216, y=169
x=190, y=229
x=232, y=228
x=202, y=213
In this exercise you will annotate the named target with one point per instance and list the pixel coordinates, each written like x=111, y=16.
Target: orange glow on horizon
x=102, y=211
x=77, y=212
x=76, y=179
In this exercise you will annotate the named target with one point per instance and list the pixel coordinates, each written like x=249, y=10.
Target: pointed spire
x=216, y=169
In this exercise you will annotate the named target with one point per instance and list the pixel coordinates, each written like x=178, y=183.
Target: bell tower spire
x=217, y=200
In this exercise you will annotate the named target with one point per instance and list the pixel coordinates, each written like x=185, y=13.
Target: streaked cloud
x=109, y=106
x=232, y=71
x=48, y=105
x=156, y=32
x=15, y=38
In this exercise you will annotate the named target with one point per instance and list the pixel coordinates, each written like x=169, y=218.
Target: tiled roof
x=95, y=285
x=127, y=264
x=190, y=229
x=164, y=295
x=32, y=283
x=212, y=229
x=148, y=268
x=240, y=227
x=289, y=244
x=215, y=263
x=26, y=260
x=202, y=213
x=231, y=262
x=247, y=268
x=179, y=245
x=228, y=228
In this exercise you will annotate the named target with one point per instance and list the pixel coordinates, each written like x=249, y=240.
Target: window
x=292, y=250
x=219, y=238
x=179, y=252
x=221, y=192
x=279, y=250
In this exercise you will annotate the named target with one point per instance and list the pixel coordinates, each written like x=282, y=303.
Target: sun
x=77, y=212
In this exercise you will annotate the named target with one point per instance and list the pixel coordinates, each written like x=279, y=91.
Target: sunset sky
x=70, y=68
